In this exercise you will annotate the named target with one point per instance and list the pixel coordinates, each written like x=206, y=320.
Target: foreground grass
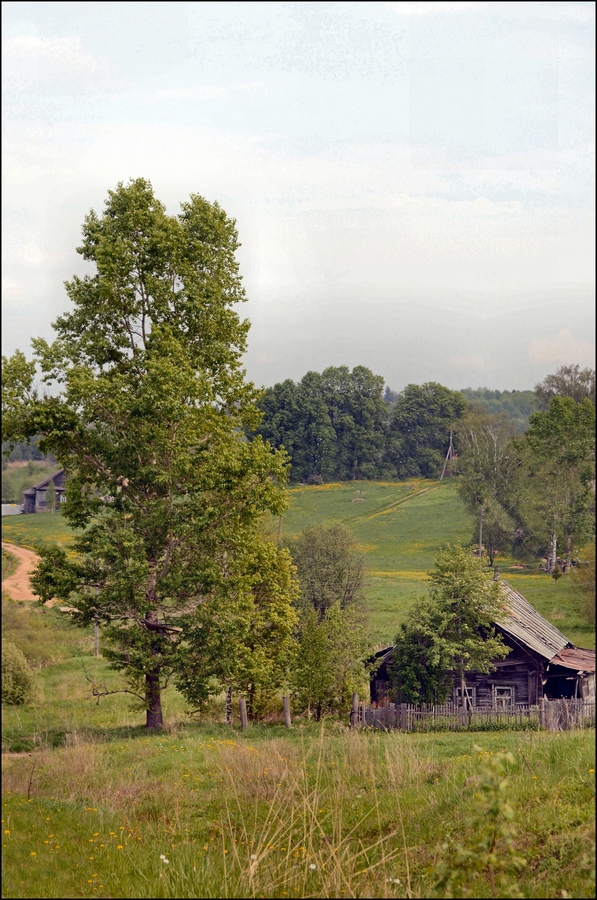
x=309, y=813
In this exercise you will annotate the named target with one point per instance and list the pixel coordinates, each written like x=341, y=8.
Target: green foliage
x=515, y=406
x=453, y=632
x=17, y=677
x=583, y=577
x=487, y=467
x=329, y=566
x=330, y=665
x=421, y=667
x=556, y=475
x=569, y=381
x=242, y=636
x=148, y=416
x=331, y=424
x=490, y=853
x=419, y=429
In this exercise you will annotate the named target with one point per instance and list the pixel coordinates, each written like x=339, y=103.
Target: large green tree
x=568, y=381
x=330, y=568
x=420, y=428
x=332, y=424
x=452, y=632
x=557, y=474
x=146, y=409
x=487, y=465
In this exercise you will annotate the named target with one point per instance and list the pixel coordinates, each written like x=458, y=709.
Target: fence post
x=403, y=716
x=287, y=721
x=243, y=714
x=542, y=722
x=228, y=705
x=354, y=709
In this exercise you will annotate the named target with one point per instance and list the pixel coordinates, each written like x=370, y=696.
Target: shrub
x=17, y=677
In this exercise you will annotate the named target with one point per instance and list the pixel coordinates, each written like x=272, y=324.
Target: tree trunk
x=228, y=705
x=554, y=552
x=480, y=532
x=568, y=551
x=153, y=699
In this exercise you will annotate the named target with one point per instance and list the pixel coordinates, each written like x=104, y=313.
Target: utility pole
x=449, y=455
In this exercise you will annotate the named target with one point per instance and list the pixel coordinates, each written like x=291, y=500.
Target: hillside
x=400, y=526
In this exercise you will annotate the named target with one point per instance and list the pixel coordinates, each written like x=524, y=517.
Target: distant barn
x=34, y=499
x=542, y=663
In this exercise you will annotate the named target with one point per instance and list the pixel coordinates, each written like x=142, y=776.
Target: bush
x=17, y=677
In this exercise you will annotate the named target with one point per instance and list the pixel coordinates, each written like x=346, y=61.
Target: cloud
x=51, y=63
x=211, y=91
x=563, y=349
x=524, y=9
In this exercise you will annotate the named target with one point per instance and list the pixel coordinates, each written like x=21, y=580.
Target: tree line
x=341, y=424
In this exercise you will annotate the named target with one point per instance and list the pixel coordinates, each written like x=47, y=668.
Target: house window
x=503, y=696
x=470, y=694
x=63, y=498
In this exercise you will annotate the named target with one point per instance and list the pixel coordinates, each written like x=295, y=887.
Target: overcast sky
x=413, y=183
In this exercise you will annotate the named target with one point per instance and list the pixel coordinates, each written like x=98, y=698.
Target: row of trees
x=342, y=424
x=337, y=425
x=535, y=492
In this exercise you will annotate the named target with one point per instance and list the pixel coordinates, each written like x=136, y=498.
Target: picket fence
x=552, y=715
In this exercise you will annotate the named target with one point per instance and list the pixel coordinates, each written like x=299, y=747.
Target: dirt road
x=17, y=585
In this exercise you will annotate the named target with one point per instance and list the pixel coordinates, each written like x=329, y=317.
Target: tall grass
x=316, y=812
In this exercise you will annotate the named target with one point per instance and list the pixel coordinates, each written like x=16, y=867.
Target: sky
x=413, y=183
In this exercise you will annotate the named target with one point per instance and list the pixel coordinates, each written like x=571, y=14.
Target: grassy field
x=93, y=806
x=210, y=811
x=400, y=526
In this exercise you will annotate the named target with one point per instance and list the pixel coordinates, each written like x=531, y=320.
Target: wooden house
x=34, y=499
x=542, y=663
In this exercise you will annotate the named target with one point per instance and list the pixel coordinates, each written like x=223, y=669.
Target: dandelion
x=33, y=853
x=119, y=847
x=312, y=866
x=164, y=859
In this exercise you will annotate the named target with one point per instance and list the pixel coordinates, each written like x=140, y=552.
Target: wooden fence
x=553, y=715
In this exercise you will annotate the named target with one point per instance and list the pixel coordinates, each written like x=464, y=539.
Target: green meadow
x=93, y=806
x=399, y=526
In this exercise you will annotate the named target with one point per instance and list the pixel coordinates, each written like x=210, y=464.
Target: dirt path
x=17, y=585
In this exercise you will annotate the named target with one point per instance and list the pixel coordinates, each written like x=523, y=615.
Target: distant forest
x=342, y=424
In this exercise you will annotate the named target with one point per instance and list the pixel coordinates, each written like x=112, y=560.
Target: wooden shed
x=34, y=499
x=542, y=663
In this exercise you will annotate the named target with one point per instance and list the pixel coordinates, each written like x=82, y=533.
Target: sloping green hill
x=400, y=527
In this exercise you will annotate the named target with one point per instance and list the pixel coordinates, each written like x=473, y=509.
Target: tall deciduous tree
x=420, y=429
x=569, y=381
x=147, y=414
x=558, y=473
x=453, y=632
x=487, y=465
x=330, y=567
